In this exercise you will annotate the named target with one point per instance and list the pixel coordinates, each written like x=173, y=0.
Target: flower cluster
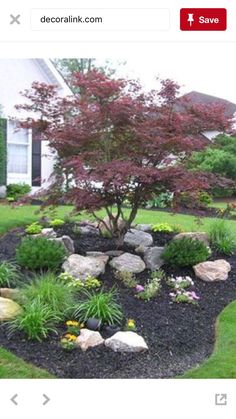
x=180, y=282
x=68, y=340
x=182, y=296
x=89, y=283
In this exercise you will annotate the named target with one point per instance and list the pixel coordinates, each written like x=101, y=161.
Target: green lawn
x=222, y=363
x=15, y=217
x=13, y=367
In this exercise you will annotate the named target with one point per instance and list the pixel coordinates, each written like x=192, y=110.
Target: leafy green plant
x=151, y=288
x=9, y=274
x=34, y=228
x=17, y=190
x=36, y=321
x=101, y=305
x=57, y=222
x=185, y=252
x=40, y=253
x=221, y=238
x=127, y=278
x=167, y=228
x=51, y=292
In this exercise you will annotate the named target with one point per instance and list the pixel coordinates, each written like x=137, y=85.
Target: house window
x=18, y=149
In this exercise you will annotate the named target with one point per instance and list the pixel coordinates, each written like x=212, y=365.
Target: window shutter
x=3, y=151
x=36, y=159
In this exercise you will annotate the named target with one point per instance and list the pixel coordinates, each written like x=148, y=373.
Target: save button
x=203, y=19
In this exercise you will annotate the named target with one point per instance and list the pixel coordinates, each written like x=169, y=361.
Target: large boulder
x=201, y=236
x=49, y=233
x=128, y=262
x=8, y=309
x=153, y=259
x=100, y=255
x=136, y=238
x=212, y=271
x=88, y=339
x=81, y=267
x=126, y=342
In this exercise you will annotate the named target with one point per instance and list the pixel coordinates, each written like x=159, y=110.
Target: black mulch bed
x=179, y=336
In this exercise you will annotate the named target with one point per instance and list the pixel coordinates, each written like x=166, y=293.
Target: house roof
x=198, y=97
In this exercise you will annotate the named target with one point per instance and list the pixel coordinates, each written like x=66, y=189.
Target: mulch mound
x=179, y=336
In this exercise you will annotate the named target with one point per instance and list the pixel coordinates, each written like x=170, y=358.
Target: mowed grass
x=11, y=217
x=13, y=367
x=222, y=363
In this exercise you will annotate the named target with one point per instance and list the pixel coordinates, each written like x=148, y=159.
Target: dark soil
x=179, y=336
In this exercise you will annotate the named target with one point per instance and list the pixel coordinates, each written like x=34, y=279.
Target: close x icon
x=203, y=19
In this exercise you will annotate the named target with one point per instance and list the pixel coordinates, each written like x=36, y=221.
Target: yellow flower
x=131, y=322
x=72, y=323
x=81, y=325
x=70, y=337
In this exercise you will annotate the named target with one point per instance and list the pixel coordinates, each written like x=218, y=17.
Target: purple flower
x=139, y=288
x=194, y=295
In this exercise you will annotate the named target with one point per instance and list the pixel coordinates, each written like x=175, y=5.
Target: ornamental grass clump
x=221, y=238
x=36, y=321
x=102, y=306
x=185, y=252
x=51, y=292
x=40, y=253
x=9, y=274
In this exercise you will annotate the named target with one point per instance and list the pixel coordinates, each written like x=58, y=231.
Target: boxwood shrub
x=185, y=252
x=40, y=253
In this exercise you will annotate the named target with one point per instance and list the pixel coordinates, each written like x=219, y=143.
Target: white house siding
x=16, y=75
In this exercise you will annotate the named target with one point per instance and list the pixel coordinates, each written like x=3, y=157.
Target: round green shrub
x=185, y=252
x=40, y=253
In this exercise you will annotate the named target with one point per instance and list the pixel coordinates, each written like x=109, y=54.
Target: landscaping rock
x=88, y=339
x=82, y=267
x=153, y=259
x=136, y=238
x=8, y=309
x=99, y=255
x=11, y=293
x=49, y=233
x=144, y=227
x=212, y=271
x=201, y=236
x=67, y=242
x=128, y=262
x=126, y=342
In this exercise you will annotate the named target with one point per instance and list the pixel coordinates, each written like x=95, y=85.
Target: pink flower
x=194, y=295
x=139, y=288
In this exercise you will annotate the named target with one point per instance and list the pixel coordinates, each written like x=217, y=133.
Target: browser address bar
x=100, y=19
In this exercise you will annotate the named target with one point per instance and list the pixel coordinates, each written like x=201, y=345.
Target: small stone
x=67, y=242
x=88, y=339
x=153, y=259
x=212, y=271
x=136, y=238
x=141, y=249
x=49, y=233
x=201, y=236
x=144, y=227
x=81, y=267
x=128, y=262
x=126, y=342
x=8, y=309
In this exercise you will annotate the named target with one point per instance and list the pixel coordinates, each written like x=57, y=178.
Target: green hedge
x=3, y=151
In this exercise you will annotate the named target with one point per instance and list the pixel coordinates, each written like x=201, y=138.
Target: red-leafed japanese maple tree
x=115, y=142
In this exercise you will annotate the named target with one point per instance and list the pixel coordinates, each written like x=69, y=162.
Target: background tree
x=116, y=141
x=218, y=158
